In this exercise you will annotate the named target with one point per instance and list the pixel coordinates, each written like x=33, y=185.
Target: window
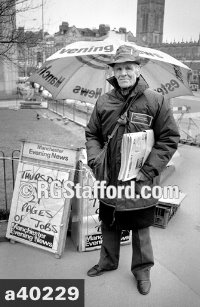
x=156, y=25
x=145, y=22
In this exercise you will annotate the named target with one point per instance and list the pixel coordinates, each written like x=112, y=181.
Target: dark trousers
x=142, y=253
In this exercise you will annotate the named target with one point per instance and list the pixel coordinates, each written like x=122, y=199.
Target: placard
x=40, y=211
x=50, y=153
x=86, y=227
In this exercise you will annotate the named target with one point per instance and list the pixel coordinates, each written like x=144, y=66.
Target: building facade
x=8, y=54
x=149, y=32
x=32, y=54
x=150, y=19
x=189, y=54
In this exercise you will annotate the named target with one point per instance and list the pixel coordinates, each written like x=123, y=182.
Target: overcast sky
x=181, y=21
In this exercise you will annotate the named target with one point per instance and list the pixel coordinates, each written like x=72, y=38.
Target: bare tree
x=9, y=35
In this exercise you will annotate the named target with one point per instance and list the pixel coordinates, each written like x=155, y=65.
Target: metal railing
x=76, y=111
x=80, y=112
x=8, y=169
x=189, y=127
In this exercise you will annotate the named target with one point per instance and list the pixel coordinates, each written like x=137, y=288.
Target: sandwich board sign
x=39, y=213
x=86, y=228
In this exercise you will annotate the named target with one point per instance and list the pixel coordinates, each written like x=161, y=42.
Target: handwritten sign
x=39, y=212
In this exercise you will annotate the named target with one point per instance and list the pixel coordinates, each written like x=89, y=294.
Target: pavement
x=175, y=276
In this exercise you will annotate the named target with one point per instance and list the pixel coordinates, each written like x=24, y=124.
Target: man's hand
x=91, y=163
x=141, y=177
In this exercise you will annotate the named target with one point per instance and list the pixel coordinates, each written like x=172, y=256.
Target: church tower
x=150, y=19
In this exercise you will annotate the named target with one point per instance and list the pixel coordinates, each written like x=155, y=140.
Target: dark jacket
x=155, y=113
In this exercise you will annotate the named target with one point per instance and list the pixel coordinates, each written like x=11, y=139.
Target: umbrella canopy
x=79, y=71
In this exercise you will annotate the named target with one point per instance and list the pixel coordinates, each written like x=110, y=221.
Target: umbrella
x=79, y=71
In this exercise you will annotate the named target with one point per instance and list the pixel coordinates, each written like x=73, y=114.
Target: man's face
x=126, y=73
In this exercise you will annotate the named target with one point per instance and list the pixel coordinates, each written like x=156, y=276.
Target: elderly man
x=153, y=111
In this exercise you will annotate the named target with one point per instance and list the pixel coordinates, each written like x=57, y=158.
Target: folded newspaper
x=135, y=149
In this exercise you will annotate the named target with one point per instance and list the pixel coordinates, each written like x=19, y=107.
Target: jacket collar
x=140, y=87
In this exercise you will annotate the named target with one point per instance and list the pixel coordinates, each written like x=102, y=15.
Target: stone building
x=31, y=55
x=188, y=53
x=149, y=32
x=68, y=35
x=150, y=17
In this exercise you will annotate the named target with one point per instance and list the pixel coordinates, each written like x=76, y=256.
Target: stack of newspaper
x=135, y=148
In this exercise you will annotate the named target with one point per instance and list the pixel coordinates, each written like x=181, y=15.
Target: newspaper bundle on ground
x=135, y=148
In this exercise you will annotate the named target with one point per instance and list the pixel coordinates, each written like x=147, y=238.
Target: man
x=135, y=214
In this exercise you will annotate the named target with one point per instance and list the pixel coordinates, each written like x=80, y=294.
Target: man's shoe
x=97, y=271
x=144, y=286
